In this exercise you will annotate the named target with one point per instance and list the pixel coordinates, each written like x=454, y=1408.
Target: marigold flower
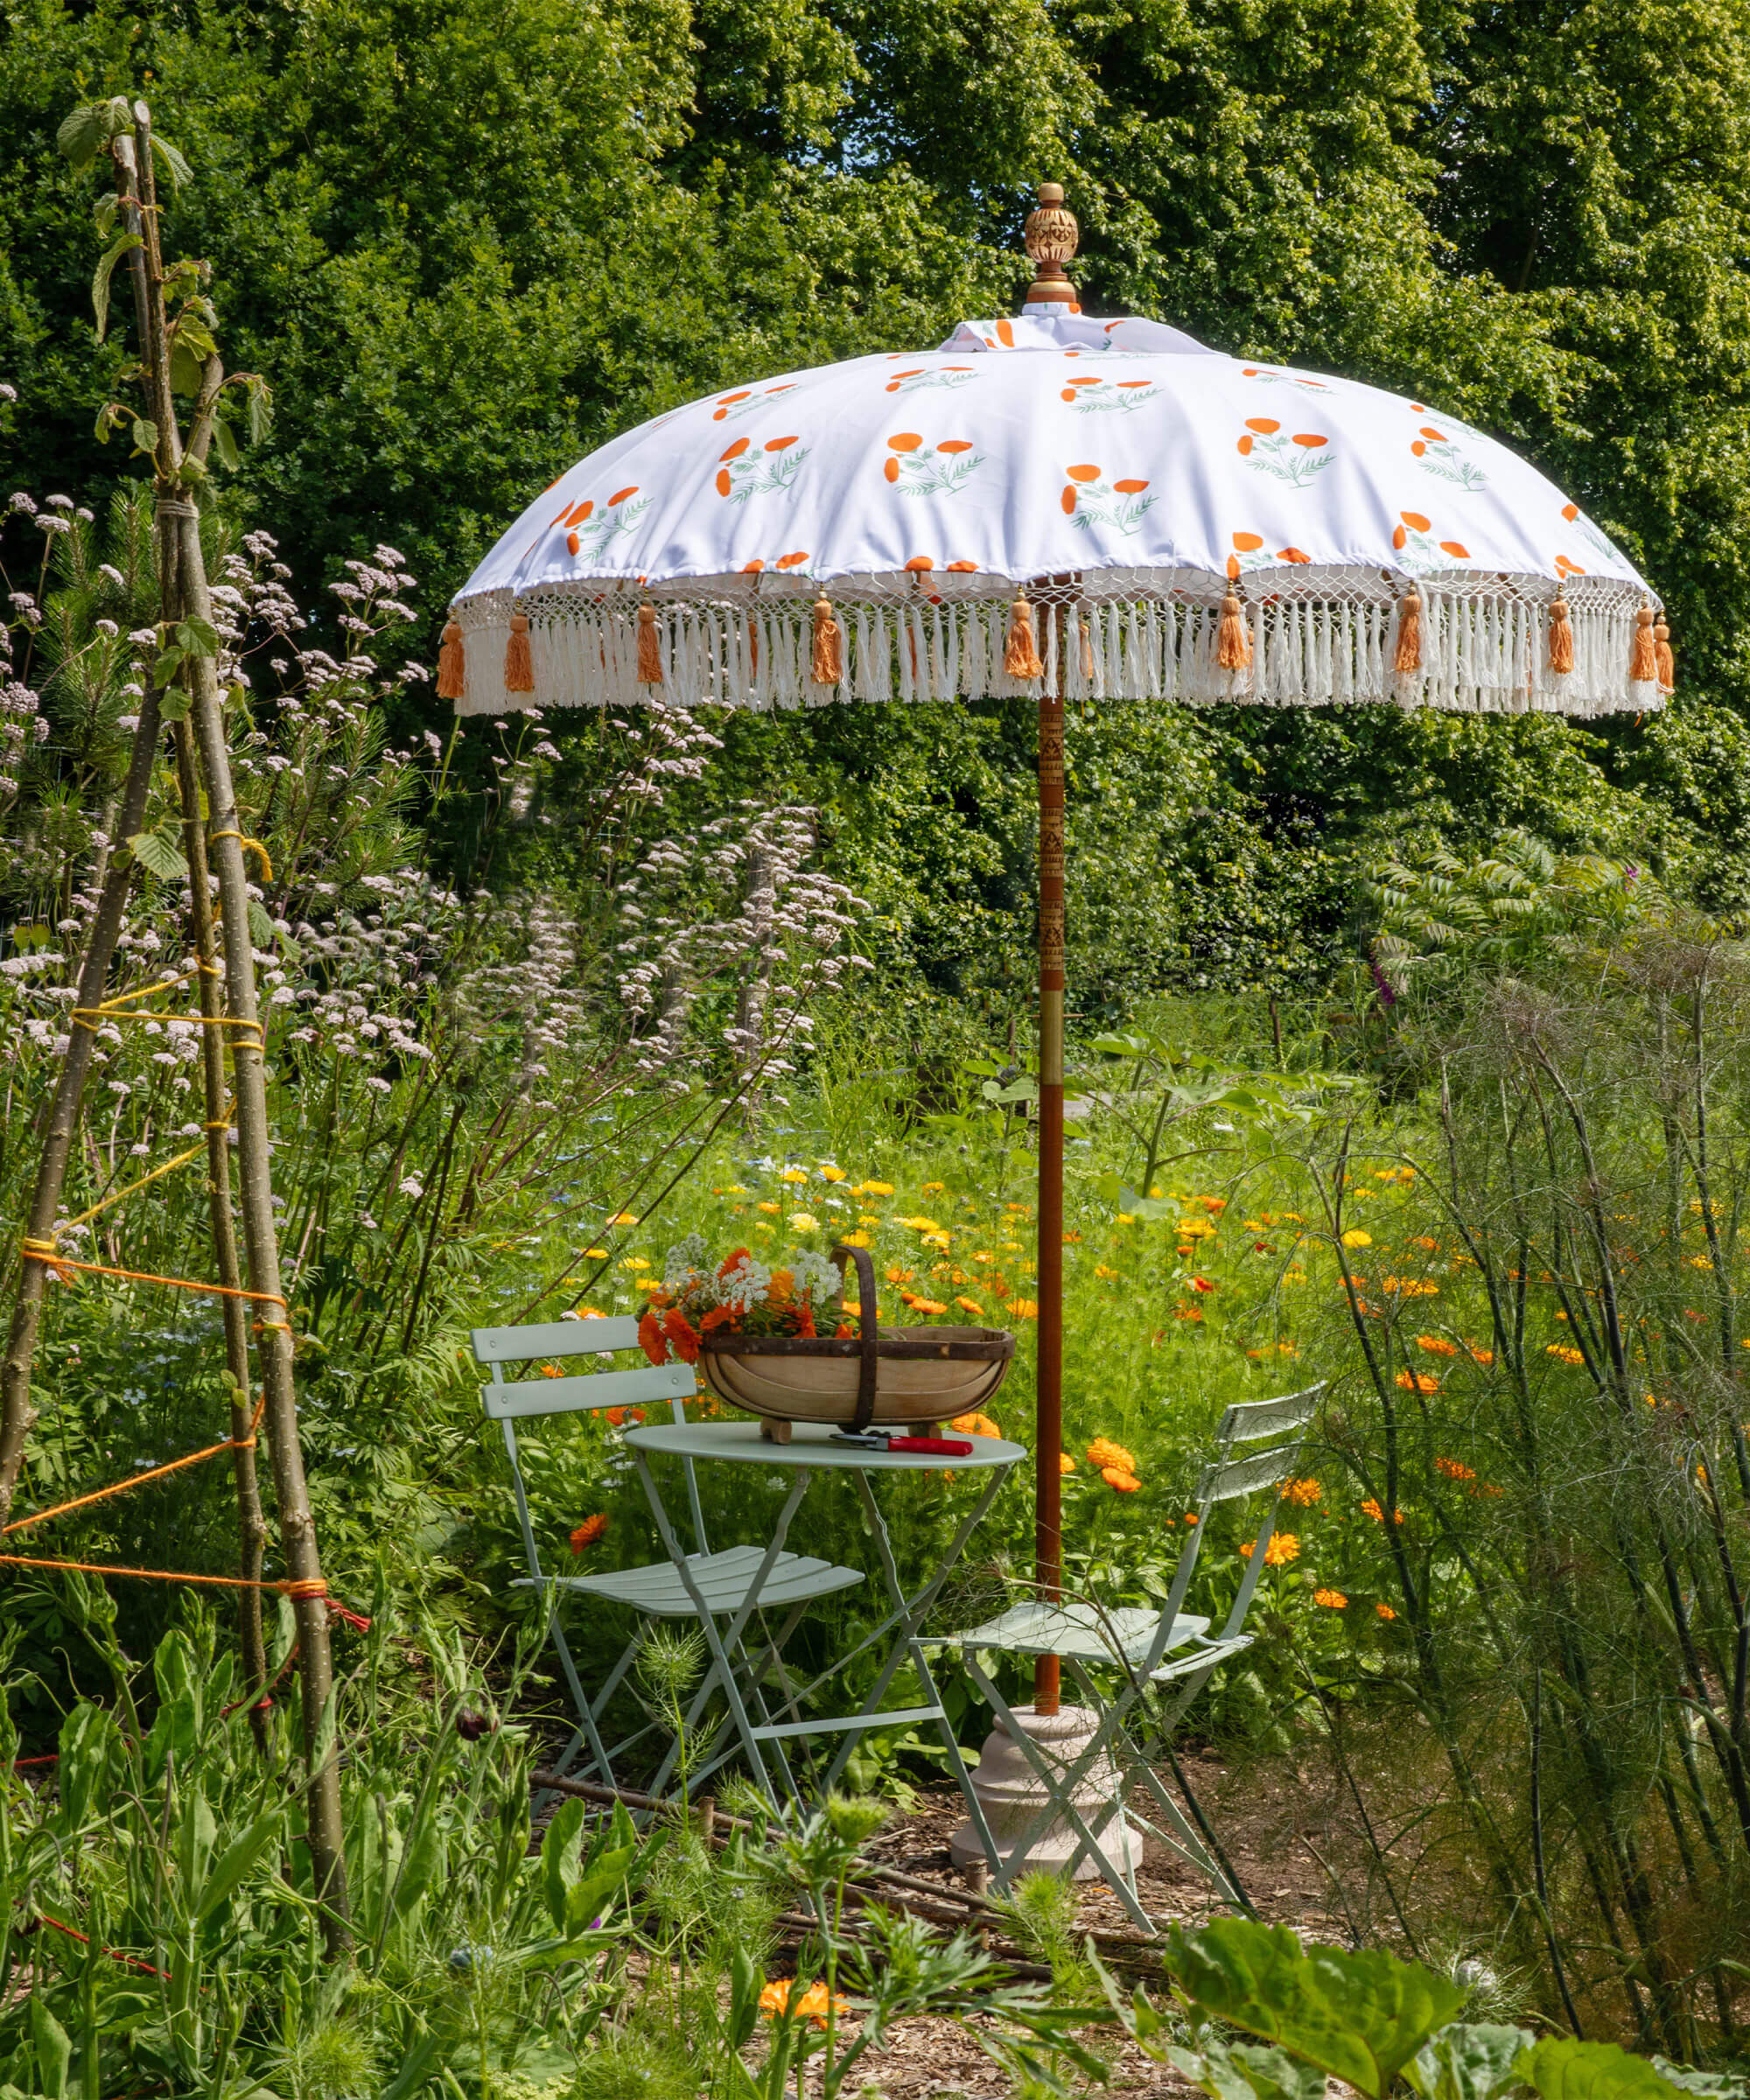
x=1370, y=1508
x=793, y=1174
x=1195, y=1313
x=1333, y=1601
x=927, y=1304
x=552, y=1370
x=589, y=1531
x=1104, y=1452
x=1302, y=1492
x=857, y=1239
x=1201, y=1283
x=1356, y=1237
x=651, y=1340
x=832, y=1174
x=1024, y=1308
x=972, y=1306
x=732, y=1261
x=595, y=1254
x=634, y=1261
x=1191, y=1516
x=1437, y=1345
x=804, y=1221
x=1065, y=1463
x=1106, y=1274
x=1283, y=1548
x=1454, y=1469
x=771, y=1209
x=1485, y=1357
x=1417, y=1382
x=934, y=1188
x=974, y=1425
x=1385, y=1611
x=878, y=1188
x=811, y=2004
x=618, y=1417
x=1564, y=1353
x=622, y=1217
x=1116, y=1477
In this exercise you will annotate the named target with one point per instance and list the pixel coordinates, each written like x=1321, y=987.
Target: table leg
x=909, y=1614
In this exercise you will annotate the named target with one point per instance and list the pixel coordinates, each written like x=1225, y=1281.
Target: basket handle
x=869, y=1324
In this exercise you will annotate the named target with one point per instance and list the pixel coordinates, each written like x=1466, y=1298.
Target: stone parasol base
x=1011, y=1795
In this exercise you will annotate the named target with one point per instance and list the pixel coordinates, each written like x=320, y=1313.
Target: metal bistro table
x=812, y=1450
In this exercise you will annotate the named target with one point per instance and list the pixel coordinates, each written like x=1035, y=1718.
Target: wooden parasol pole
x=1051, y=234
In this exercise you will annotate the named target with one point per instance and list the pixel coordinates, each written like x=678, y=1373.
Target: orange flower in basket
x=682, y=1335
x=651, y=1341
x=589, y=1531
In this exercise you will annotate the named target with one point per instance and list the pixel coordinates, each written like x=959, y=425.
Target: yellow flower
x=1012, y=1246
x=868, y=1217
x=919, y=1224
x=795, y=1173
x=1127, y=1217
x=634, y=1261
x=1065, y=1463
x=933, y=1239
x=733, y=1188
x=1563, y=1354
x=927, y=1305
x=1100, y=1270
x=771, y=1209
x=1302, y=1492
x=623, y=1217
x=804, y=1221
x=832, y=1174
x=934, y=1188
x=810, y=2004
x=1356, y=1237
x=595, y=1254
x=1024, y=1308
x=1102, y=1452
x=878, y=1188
x=1331, y=1600
x=1196, y=1229
x=855, y=1239
x=974, y=1425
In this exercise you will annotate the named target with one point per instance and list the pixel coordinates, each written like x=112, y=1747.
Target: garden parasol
x=1071, y=508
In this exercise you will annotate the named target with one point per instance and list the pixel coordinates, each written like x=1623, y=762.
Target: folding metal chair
x=1166, y=1659
x=732, y=1584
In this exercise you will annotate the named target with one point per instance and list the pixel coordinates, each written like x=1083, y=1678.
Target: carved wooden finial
x=1052, y=237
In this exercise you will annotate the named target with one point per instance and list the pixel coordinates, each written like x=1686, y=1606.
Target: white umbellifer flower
x=817, y=1278
x=685, y=1262
x=745, y=1284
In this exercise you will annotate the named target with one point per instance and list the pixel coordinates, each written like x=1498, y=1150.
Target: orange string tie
x=46, y=1252
x=155, y=1472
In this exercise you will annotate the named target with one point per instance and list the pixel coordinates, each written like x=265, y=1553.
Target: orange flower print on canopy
x=749, y=469
x=1413, y=536
x=1090, y=395
x=1564, y=567
x=918, y=469
x=1297, y=460
x=914, y=380
x=791, y=561
x=589, y=531
x=1089, y=501
x=1443, y=455
x=962, y=568
x=746, y=401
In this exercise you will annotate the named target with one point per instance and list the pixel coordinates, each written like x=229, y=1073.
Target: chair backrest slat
x=554, y=1337
x=1225, y=1483
x=594, y=1390
x=1250, y=1419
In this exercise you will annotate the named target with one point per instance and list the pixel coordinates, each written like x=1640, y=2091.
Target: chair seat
x=721, y=1579
x=1081, y=1630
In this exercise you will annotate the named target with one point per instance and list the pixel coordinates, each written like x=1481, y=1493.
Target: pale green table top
x=810, y=1445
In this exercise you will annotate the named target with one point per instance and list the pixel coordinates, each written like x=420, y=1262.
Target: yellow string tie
x=247, y=845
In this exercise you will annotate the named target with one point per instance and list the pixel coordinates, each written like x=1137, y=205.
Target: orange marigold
x=1370, y=1508
x=1333, y=1601
x=1116, y=1477
x=1563, y=1354
x=1302, y=1492
x=974, y=1425
x=651, y=1341
x=589, y=1531
x=1417, y=1382
x=1454, y=1469
x=1104, y=1452
x=1385, y=1611
x=925, y=1305
x=1283, y=1548
x=970, y=1305
x=1065, y=1463
x=1025, y=1308
x=1485, y=1357
x=1437, y=1345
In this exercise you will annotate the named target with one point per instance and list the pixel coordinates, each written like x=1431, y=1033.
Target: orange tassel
x=1020, y=655
x=754, y=646
x=649, y=647
x=1667, y=663
x=1233, y=643
x=452, y=665
x=1643, y=662
x=1409, y=656
x=519, y=665
x=828, y=667
x=1087, y=652
x=1561, y=637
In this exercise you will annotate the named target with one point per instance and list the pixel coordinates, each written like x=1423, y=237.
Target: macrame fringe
x=452, y=665
x=1482, y=656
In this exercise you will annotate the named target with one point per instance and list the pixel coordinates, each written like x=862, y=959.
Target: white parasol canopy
x=918, y=491
x=1069, y=509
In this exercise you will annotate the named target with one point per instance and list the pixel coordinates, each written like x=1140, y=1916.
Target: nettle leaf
x=198, y=636
x=100, y=282
x=166, y=668
x=170, y=161
x=260, y=396
x=1468, y=2062
x=84, y=134
x=158, y=852
x=261, y=927
x=1358, y=2017
x=224, y=444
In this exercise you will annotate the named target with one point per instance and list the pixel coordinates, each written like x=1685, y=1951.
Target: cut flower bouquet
x=801, y=1297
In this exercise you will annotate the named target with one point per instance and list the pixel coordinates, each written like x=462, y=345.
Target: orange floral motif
x=1087, y=500
x=917, y=377
x=731, y=407
x=1093, y=394
x=742, y=471
x=1289, y=458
